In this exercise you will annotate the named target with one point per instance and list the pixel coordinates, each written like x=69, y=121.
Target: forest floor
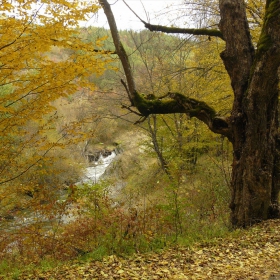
x=246, y=254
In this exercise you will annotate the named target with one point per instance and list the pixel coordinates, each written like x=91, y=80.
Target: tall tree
x=252, y=126
x=42, y=58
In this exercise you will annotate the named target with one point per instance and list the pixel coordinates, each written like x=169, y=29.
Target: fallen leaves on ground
x=253, y=254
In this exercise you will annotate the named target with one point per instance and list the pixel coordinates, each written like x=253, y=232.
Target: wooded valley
x=191, y=115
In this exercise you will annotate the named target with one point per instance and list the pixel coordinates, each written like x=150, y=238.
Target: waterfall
x=93, y=173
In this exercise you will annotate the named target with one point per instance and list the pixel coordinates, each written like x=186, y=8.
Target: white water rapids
x=93, y=173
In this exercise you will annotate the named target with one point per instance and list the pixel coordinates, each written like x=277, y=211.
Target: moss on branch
x=174, y=103
x=178, y=103
x=147, y=106
x=193, y=106
x=193, y=31
x=272, y=14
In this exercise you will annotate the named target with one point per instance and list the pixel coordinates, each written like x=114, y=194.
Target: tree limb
x=127, y=91
x=193, y=31
x=178, y=103
x=119, y=47
x=172, y=30
x=171, y=102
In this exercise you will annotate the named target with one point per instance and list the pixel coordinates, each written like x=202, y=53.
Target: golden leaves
x=255, y=14
x=252, y=254
x=41, y=60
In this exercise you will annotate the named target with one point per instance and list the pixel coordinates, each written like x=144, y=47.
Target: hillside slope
x=246, y=254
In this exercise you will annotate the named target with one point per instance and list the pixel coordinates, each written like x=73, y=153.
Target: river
x=98, y=168
x=92, y=175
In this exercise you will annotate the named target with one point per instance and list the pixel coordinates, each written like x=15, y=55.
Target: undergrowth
x=166, y=216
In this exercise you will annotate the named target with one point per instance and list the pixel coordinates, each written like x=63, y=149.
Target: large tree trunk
x=254, y=118
x=255, y=173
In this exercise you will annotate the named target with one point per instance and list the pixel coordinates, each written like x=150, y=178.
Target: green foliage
x=4, y=267
x=96, y=255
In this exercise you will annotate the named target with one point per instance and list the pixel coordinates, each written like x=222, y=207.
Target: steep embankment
x=251, y=254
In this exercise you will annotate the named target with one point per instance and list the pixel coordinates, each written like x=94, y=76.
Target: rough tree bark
x=252, y=127
x=254, y=117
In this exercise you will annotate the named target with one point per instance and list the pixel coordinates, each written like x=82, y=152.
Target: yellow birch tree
x=31, y=79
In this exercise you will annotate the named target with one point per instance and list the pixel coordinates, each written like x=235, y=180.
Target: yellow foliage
x=255, y=14
x=32, y=77
x=210, y=81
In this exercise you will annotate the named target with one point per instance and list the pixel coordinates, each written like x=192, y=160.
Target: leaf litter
x=248, y=254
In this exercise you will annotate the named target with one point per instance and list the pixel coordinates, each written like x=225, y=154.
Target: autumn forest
x=139, y=154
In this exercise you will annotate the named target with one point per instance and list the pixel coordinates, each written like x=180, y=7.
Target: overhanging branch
x=178, y=103
x=174, y=30
x=171, y=102
x=192, y=31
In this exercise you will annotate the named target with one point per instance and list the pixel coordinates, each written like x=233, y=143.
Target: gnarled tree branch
x=171, y=102
x=178, y=103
